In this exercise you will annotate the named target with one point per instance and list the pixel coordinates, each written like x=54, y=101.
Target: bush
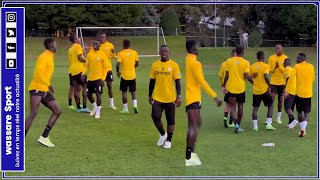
x=255, y=39
x=169, y=21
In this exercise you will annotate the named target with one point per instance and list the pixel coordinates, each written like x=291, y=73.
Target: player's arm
x=105, y=65
x=80, y=54
x=291, y=83
x=136, y=60
x=272, y=65
x=247, y=75
x=221, y=72
x=177, y=77
x=118, y=65
x=152, y=83
x=112, y=52
x=87, y=65
x=42, y=67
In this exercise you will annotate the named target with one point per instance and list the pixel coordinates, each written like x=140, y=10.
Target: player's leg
x=90, y=90
x=226, y=112
x=77, y=92
x=233, y=112
x=132, y=89
x=273, y=96
x=109, y=80
x=170, y=111
x=99, y=92
x=124, y=88
x=84, y=85
x=305, y=107
x=267, y=101
x=35, y=100
x=288, y=102
x=70, y=93
x=280, y=91
x=240, y=99
x=256, y=101
x=156, y=114
x=50, y=102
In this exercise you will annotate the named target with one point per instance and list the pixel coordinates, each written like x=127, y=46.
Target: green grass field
x=123, y=145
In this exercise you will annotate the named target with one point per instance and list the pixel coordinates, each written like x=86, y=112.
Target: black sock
x=236, y=121
x=230, y=120
x=70, y=102
x=226, y=114
x=46, y=131
x=84, y=105
x=161, y=131
x=291, y=118
x=188, y=153
x=78, y=106
x=169, y=137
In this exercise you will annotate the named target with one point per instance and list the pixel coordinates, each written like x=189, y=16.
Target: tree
x=169, y=22
x=150, y=17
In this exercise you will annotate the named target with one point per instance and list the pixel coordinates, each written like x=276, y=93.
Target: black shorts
x=70, y=80
x=94, y=87
x=240, y=98
x=46, y=96
x=226, y=98
x=266, y=98
x=195, y=105
x=78, y=79
x=109, y=76
x=289, y=102
x=169, y=110
x=303, y=104
x=125, y=84
x=277, y=89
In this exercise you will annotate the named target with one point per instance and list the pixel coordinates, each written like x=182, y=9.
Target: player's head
x=164, y=52
x=279, y=49
x=102, y=36
x=50, y=44
x=74, y=39
x=96, y=45
x=287, y=62
x=192, y=47
x=239, y=50
x=260, y=56
x=233, y=53
x=301, y=57
x=126, y=44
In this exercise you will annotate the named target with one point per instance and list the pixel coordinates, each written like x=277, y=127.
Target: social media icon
x=11, y=47
x=11, y=17
x=11, y=64
x=11, y=32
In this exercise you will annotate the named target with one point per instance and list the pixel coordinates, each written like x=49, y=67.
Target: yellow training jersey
x=260, y=85
x=305, y=76
x=237, y=66
x=107, y=48
x=195, y=80
x=222, y=72
x=43, y=72
x=128, y=59
x=76, y=66
x=165, y=74
x=277, y=77
x=291, y=86
x=97, y=65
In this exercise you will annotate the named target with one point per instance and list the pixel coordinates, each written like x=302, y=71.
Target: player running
x=41, y=91
x=194, y=82
x=97, y=64
x=261, y=91
x=277, y=79
x=108, y=48
x=162, y=95
x=305, y=76
x=222, y=74
x=128, y=59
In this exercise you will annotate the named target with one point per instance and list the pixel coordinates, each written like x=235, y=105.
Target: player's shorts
x=195, y=105
x=303, y=104
x=277, y=89
x=240, y=98
x=289, y=102
x=266, y=98
x=46, y=96
x=77, y=78
x=226, y=98
x=109, y=76
x=169, y=110
x=70, y=80
x=125, y=84
x=94, y=87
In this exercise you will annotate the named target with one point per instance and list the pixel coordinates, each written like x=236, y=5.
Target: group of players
x=163, y=95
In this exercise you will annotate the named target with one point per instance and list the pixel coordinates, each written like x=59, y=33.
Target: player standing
x=128, y=59
x=108, y=48
x=222, y=74
x=41, y=91
x=277, y=79
x=194, y=82
x=305, y=76
x=97, y=64
x=261, y=91
x=162, y=95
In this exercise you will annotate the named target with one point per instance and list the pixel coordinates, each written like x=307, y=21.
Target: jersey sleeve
x=112, y=52
x=246, y=67
x=105, y=66
x=42, y=66
x=266, y=70
x=292, y=75
x=271, y=64
x=87, y=64
x=119, y=58
x=197, y=72
x=136, y=57
x=287, y=71
x=177, y=73
x=222, y=73
x=79, y=50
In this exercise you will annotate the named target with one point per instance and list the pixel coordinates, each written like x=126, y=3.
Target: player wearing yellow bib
x=164, y=74
x=277, y=78
x=41, y=91
x=128, y=60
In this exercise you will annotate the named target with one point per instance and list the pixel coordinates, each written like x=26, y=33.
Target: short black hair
x=303, y=56
x=72, y=38
x=164, y=45
x=260, y=54
x=279, y=44
x=47, y=43
x=239, y=49
x=233, y=51
x=190, y=44
x=126, y=43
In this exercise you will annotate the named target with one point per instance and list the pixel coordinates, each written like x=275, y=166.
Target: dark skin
x=124, y=94
x=279, y=52
x=35, y=102
x=165, y=54
x=194, y=117
x=102, y=38
x=286, y=63
x=96, y=47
